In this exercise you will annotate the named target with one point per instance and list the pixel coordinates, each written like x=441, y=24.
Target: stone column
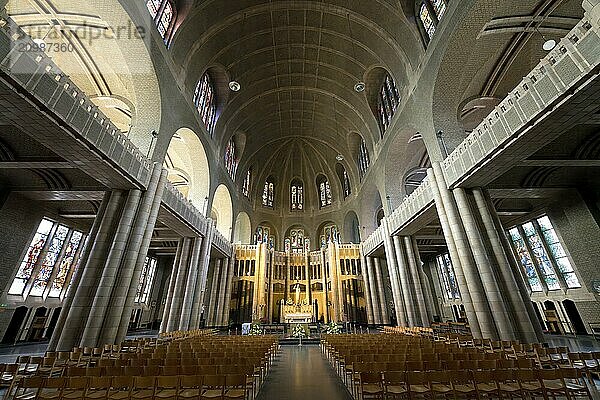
x=182, y=270
x=76, y=280
x=392, y=264
x=171, y=289
x=228, y=288
x=222, y=289
x=385, y=317
x=212, y=305
x=335, y=284
x=191, y=285
x=469, y=276
x=414, y=263
x=325, y=291
x=202, y=277
x=373, y=289
x=367, y=286
x=403, y=269
x=91, y=272
x=529, y=327
x=107, y=283
x=116, y=321
x=485, y=272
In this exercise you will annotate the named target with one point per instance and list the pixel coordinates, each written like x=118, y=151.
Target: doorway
x=575, y=317
x=14, y=326
x=53, y=321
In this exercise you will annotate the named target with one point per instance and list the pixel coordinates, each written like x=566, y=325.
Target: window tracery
x=205, y=102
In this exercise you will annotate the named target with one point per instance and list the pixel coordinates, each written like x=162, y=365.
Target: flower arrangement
x=255, y=330
x=298, y=331
x=332, y=328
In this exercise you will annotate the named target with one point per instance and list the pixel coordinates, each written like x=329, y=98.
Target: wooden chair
x=418, y=385
x=27, y=388
x=98, y=389
x=75, y=388
x=552, y=383
x=52, y=389
x=371, y=385
x=143, y=388
x=166, y=387
x=236, y=387
x=485, y=384
x=394, y=384
x=213, y=387
x=190, y=387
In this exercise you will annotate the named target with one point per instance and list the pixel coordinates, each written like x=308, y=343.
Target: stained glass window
x=247, y=182
x=427, y=20
x=297, y=195
x=448, y=277
x=325, y=196
x=153, y=7
x=66, y=264
x=363, y=158
x=43, y=276
x=231, y=161
x=205, y=102
x=268, y=193
x=163, y=14
x=543, y=261
x=296, y=242
x=387, y=102
x=525, y=260
x=330, y=234
x=439, y=6
x=347, y=187
x=31, y=257
x=146, y=281
x=558, y=252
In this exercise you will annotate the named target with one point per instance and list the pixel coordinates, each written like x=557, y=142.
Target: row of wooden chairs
x=189, y=387
x=513, y=384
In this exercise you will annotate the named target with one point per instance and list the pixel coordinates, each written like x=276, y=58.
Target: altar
x=297, y=314
x=297, y=311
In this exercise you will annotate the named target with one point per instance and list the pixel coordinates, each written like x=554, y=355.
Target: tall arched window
x=430, y=15
x=247, y=183
x=363, y=158
x=325, y=197
x=297, y=195
x=231, y=161
x=269, y=193
x=387, y=102
x=206, y=102
x=346, y=184
x=163, y=13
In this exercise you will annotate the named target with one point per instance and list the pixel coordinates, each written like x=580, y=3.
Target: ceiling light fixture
x=235, y=86
x=549, y=44
x=339, y=157
x=359, y=87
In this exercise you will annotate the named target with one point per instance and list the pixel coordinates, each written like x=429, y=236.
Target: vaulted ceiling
x=297, y=62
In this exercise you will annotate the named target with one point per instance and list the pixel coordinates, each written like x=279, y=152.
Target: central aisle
x=302, y=373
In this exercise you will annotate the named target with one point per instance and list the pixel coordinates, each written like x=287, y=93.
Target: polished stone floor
x=302, y=373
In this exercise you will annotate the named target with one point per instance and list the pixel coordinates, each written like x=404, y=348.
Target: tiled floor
x=301, y=373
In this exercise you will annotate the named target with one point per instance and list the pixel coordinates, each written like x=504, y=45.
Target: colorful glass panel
x=427, y=20
x=205, y=101
x=558, y=253
x=66, y=264
x=246, y=185
x=153, y=7
x=231, y=162
x=31, y=257
x=525, y=260
x=165, y=20
x=543, y=261
x=439, y=6
x=448, y=277
x=41, y=281
x=363, y=158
